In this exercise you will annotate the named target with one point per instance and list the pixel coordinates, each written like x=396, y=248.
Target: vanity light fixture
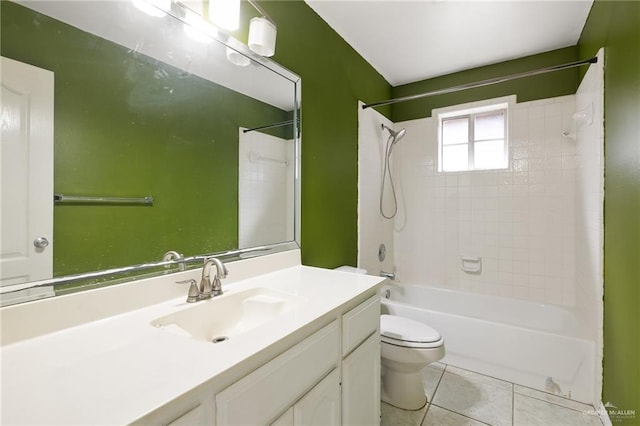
x=155, y=8
x=262, y=32
x=225, y=13
x=262, y=36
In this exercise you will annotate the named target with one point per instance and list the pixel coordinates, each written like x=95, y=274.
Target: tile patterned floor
x=460, y=397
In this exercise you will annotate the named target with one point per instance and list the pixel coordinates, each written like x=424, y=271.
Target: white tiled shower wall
x=265, y=198
x=373, y=229
x=520, y=221
x=538, y=226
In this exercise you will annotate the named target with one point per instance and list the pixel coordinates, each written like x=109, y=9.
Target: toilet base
x=407, y=389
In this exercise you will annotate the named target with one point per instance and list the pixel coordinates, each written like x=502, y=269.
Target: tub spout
x=390, y=275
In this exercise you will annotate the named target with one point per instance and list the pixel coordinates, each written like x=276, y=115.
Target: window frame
x=470, y=111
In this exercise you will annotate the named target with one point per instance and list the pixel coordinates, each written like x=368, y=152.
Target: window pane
x=455, y=157
x=489, y=155
x=455, y=131
x=489, y=126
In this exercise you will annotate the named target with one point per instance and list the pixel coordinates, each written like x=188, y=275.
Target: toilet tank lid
x=407, y=330
x=351, y=269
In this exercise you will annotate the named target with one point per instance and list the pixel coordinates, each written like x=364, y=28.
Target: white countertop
x=116, y=370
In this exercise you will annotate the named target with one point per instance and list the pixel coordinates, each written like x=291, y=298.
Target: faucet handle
x=216, y=287
x=194, y=292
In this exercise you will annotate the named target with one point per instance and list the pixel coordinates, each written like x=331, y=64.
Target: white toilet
x=407, y=347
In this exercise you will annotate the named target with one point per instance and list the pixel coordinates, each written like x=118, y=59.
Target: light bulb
x=225, y=13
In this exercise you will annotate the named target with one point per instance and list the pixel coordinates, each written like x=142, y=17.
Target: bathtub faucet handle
x=390, y=275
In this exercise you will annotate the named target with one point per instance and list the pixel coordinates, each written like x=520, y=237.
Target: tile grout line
x=463, y=415
x=556, y=404
x=553, y=395
x=485, y=375
x=513, y=405
x=429, y=403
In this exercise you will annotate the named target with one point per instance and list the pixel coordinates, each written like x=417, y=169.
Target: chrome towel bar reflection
x=198, y=259
x=268, y=126
x=59, y=198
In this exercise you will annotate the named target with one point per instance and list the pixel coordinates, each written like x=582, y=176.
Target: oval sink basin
x=226, y=316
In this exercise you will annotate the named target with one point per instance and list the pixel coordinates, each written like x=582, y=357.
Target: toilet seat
x=408, y=333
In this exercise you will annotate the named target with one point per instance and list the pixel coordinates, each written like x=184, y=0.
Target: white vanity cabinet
x=313, y=359
x=196, y=416
x=361, y=364
x=361, y=384
x=262, y=396
x=330, y=378
x=319, y=407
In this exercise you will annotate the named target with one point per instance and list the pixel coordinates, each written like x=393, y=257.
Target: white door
x=26, y=159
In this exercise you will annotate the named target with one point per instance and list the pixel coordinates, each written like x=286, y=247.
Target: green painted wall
x=615, y=25
x=527, y=89
x=128, y=125
x=334, y=78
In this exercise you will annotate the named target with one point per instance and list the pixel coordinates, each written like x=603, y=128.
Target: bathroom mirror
x=166, y=135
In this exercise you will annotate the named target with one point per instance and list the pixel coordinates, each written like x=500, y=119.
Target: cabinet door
x=321, y=405
x=361, y=384
x=285, y=420
x=196, y=416
x=271, y=389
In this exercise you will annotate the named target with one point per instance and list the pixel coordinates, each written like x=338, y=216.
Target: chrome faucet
x=210, y=289
x=174, y=255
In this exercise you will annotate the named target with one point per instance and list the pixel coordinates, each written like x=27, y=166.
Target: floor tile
x=469, y=394
x=437, y=416
x=480, y=378
x=430, y=378
x=438, y=365
x=392, y=416
x=533, y=412
x=558, y=400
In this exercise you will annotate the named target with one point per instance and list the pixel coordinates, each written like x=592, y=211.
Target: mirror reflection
x=146, y=117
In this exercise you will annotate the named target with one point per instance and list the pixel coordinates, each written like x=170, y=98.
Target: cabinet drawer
x=359, y=323
x=262, y=395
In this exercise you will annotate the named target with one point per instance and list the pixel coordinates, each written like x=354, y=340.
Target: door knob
x=41, y=242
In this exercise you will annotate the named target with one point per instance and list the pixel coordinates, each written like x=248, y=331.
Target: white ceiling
x=408, y=41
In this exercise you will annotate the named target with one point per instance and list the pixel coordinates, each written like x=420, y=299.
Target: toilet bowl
x=407, y=346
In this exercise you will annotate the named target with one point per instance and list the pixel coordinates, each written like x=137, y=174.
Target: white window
x=473, y=138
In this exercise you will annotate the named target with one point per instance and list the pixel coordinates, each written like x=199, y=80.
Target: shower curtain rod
x=483, y=83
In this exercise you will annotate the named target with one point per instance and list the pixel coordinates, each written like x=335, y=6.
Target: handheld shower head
x=396, y=135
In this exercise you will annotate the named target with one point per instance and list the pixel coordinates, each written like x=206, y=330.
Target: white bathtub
x=514, y=340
